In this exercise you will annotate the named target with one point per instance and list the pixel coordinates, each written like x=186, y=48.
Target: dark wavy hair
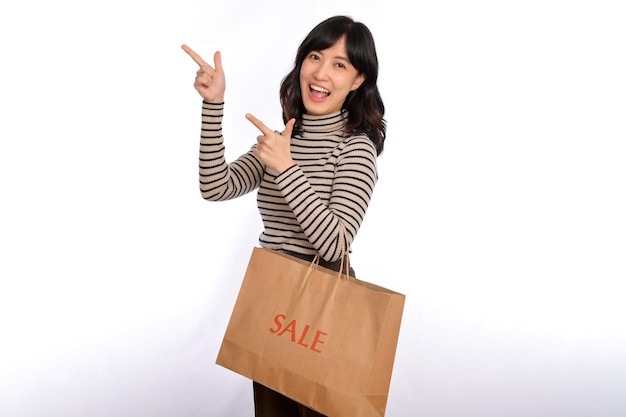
x=364, y=106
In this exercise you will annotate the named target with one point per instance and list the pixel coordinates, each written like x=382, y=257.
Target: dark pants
x=269, y=403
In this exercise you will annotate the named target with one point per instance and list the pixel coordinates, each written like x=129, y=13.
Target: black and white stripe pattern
x=317, y=205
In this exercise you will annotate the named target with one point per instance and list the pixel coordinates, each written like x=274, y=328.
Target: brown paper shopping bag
x=326, y=342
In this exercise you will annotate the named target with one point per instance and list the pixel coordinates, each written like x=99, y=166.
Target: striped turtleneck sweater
x=315, y=206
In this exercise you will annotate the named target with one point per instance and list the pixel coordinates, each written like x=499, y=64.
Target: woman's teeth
x=320, y=89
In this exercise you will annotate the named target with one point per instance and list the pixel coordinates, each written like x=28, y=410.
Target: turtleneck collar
x=332, y=123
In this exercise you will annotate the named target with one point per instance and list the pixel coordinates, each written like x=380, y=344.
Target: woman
x=316, y=178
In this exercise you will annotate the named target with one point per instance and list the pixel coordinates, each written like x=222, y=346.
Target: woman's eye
x=340, y=65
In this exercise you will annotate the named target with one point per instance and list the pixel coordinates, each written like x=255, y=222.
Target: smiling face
x=326, y=78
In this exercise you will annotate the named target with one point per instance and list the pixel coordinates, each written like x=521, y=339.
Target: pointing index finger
x=197, y=58
x=259, y=124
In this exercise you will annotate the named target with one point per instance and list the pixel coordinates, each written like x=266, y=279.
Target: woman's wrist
x=214, y=100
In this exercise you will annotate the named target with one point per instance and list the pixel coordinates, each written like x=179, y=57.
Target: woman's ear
x=358, y=81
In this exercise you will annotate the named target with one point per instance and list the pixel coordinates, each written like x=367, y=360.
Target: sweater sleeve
x=220, y=180
x=332, y=228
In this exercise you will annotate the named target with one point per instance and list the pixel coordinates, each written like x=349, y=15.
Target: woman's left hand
x=273, y=148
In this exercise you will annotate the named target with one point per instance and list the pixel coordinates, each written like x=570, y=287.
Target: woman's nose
x=321, y=72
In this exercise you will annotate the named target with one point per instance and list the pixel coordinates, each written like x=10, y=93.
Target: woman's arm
x=220, y=180
x=331, y=229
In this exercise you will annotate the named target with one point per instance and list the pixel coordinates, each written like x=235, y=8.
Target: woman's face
x=326, y=78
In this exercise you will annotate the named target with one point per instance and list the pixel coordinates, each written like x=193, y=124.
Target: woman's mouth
x=318, y=93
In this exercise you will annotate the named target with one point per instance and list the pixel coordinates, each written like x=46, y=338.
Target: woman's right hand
x=210, y=82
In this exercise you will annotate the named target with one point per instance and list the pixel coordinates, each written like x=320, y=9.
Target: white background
x=499, y=211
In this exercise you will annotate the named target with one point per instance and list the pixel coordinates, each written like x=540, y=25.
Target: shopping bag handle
x=346, y=257
x=345, y=261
